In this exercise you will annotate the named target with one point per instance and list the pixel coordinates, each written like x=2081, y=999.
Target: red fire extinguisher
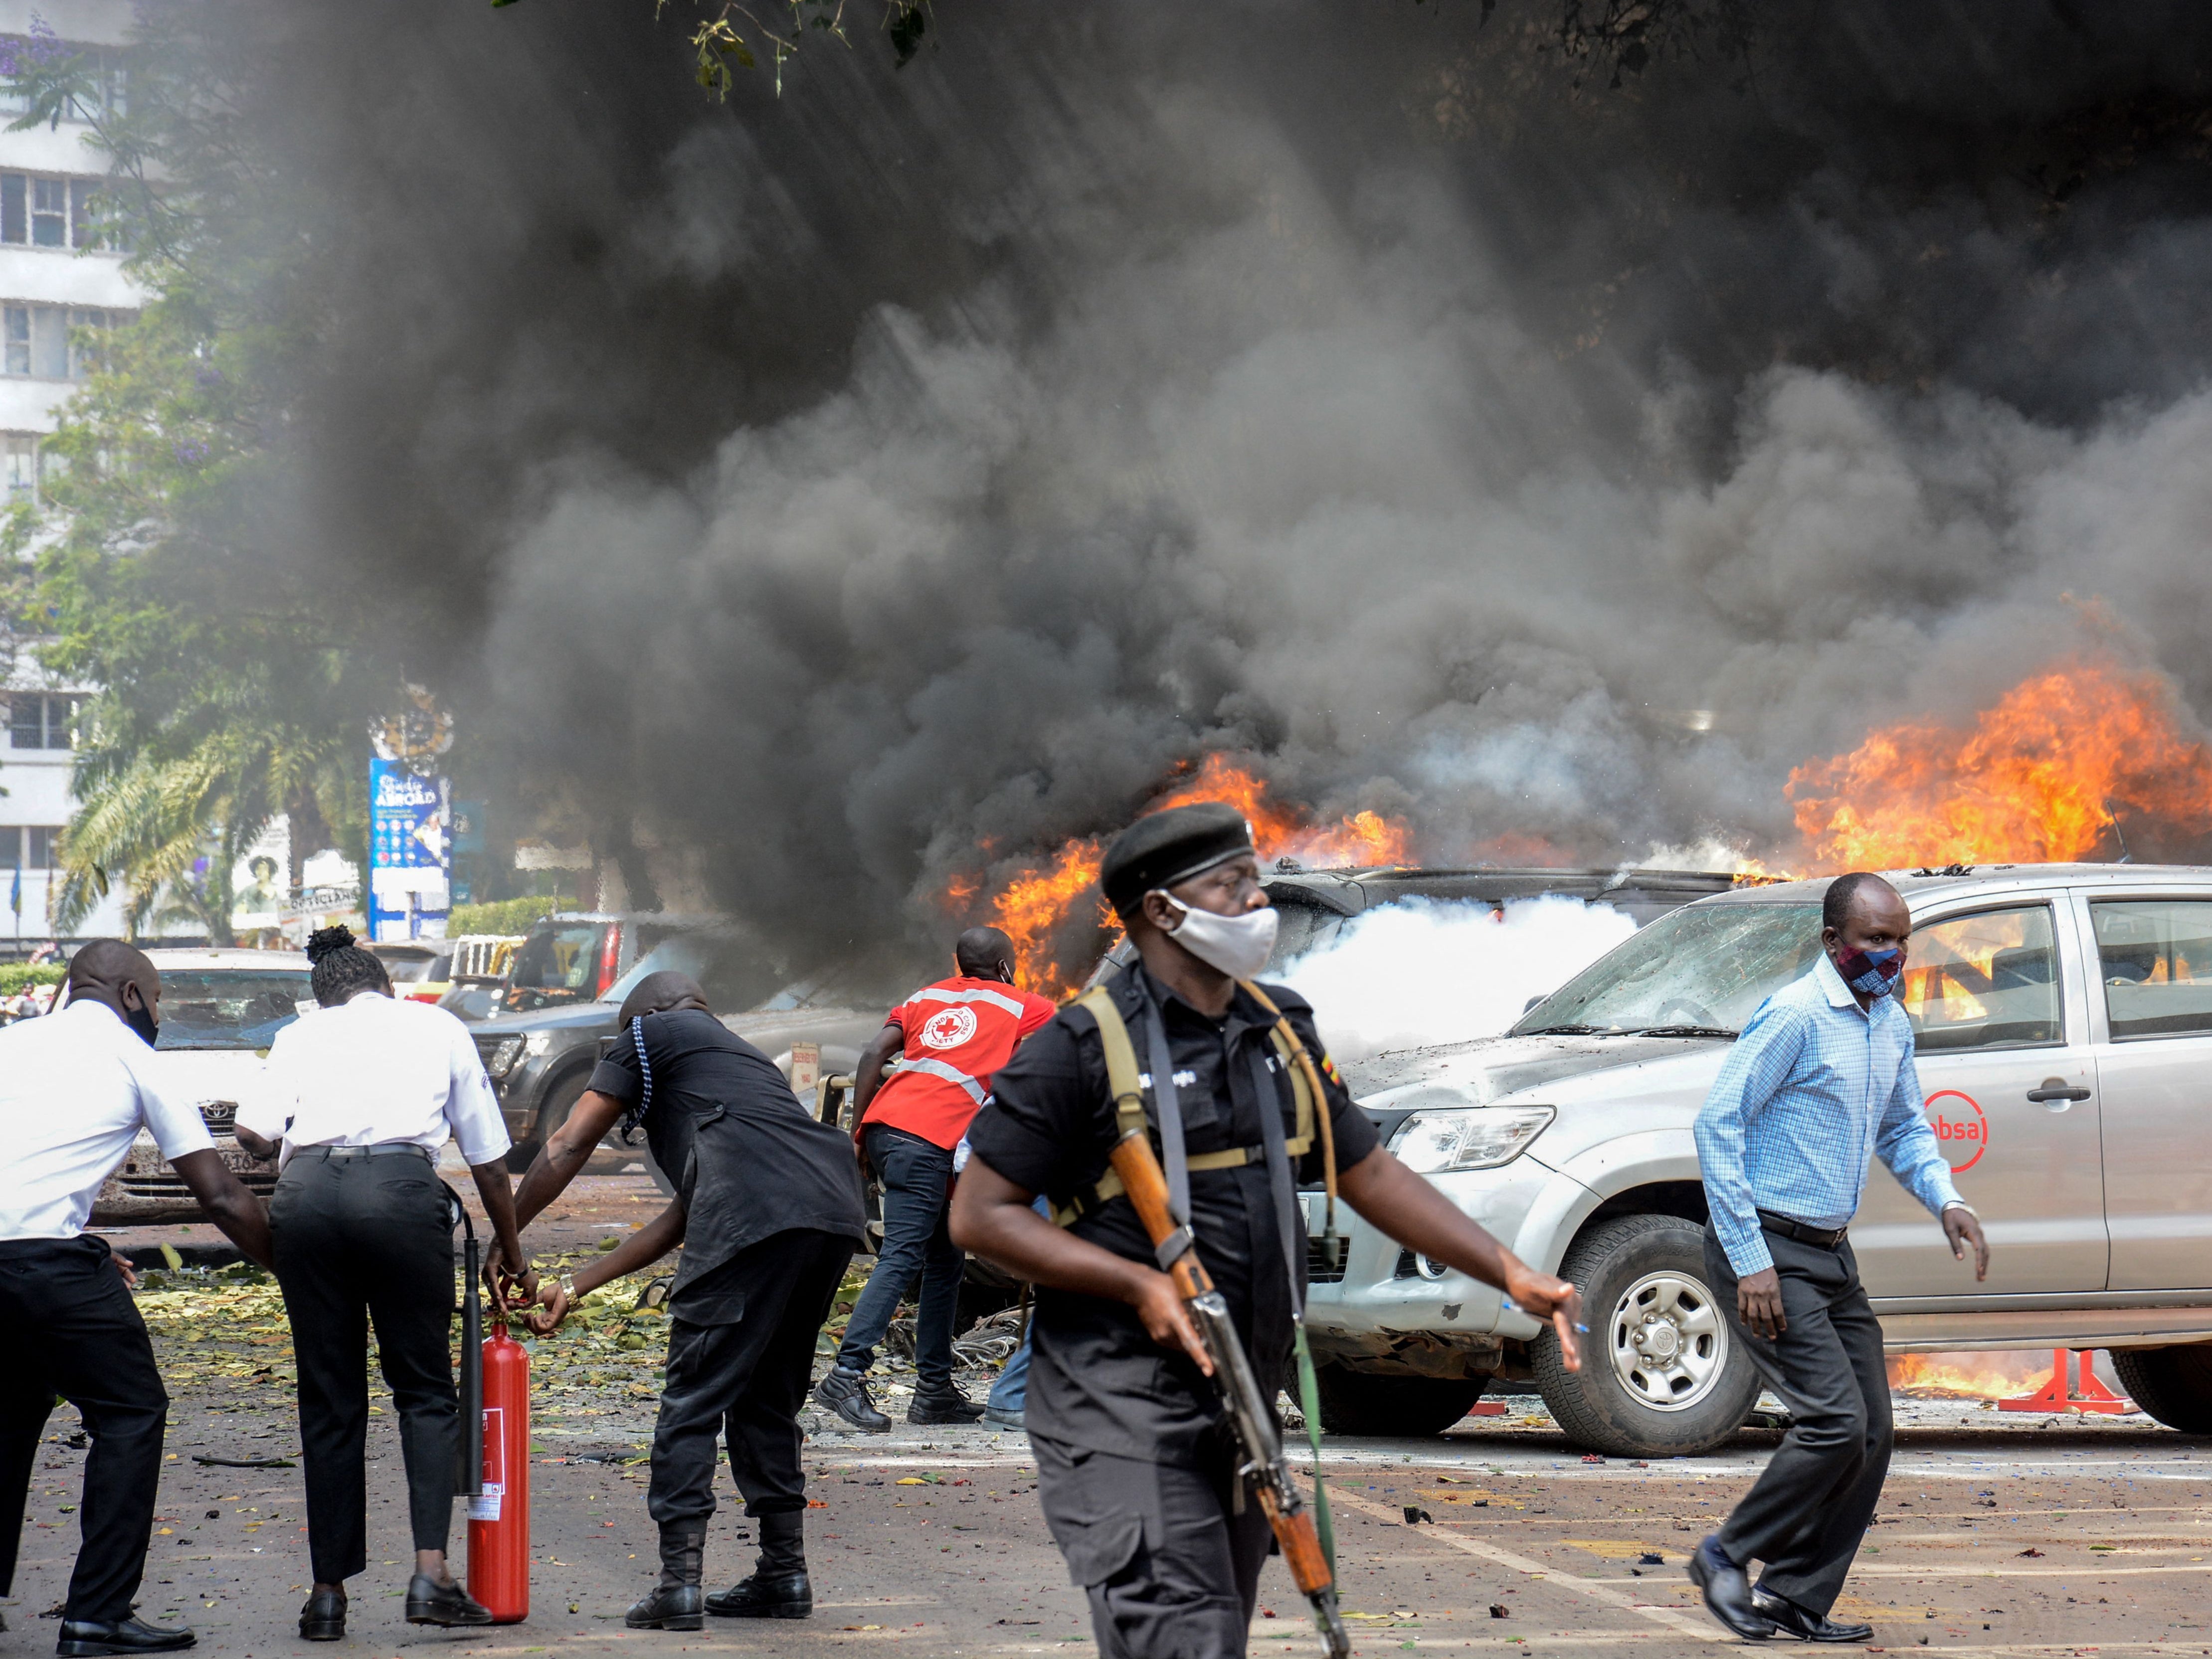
x=499, y=1518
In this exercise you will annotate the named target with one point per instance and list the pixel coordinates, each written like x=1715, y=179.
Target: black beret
x=1167, y=847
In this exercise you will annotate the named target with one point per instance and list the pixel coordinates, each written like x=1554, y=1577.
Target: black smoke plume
x=892, y=478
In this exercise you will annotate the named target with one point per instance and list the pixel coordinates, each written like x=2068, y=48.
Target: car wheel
x=2175, y=1386
x=1663, y=1374
x=1369, y=1403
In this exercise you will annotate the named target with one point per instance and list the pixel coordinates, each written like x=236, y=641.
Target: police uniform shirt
x=75, y=1086
x=376, y=1070
x=1097, y=1381
x=747, y=1159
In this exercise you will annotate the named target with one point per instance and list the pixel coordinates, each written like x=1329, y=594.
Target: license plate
x=237, y=1160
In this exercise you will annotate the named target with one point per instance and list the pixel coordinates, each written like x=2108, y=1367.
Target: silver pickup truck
x=2064, y=1014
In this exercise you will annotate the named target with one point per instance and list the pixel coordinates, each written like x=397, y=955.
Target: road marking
x=1681, y=1624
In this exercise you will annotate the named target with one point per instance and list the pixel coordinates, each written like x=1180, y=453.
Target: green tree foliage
x=168, y=568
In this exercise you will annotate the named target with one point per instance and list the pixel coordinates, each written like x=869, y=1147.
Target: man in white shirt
x=76, y=1086
x=361, y=1092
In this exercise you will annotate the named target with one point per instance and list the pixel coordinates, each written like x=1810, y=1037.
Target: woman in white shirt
x=360, y=1093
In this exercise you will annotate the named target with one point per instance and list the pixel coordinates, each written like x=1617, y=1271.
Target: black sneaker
x=845, y=1393
x=950, y=1407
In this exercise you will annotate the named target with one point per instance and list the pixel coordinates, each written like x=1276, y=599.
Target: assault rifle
x=1251, y=1417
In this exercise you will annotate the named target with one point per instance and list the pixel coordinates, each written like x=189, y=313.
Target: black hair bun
x=324, y=940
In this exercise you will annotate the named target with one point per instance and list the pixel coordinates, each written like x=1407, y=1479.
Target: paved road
x=2000, y=1534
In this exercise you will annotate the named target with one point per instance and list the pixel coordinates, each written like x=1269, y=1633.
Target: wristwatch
x=1960, y=1203
x=568, y=1288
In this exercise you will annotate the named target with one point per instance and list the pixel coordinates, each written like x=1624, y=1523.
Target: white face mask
x=1238, y=946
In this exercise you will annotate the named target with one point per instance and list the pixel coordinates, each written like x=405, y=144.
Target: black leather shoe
x=1790, y=1619
x=950, y=1407
x=766, y=1596
x=429, y=1602
x=1728, y=1592
x=669, y=1607
x=98, y=1636
x=845, y=1393
x=322, y=1618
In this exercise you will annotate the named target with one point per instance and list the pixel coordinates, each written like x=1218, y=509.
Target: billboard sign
x=411, y=855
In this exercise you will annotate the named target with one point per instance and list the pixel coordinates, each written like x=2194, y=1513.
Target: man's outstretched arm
x=562, y=1160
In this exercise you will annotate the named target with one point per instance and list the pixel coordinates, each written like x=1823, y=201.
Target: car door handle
x=2055, y=1088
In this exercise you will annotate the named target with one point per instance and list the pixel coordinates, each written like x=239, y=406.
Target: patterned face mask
x=1871, y=973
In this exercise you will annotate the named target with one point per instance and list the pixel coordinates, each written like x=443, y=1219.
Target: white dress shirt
x=75, y=1087
x=373, y=1070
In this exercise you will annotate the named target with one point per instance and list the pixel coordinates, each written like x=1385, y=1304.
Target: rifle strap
x=1127, y=1084
x=1310, y=1407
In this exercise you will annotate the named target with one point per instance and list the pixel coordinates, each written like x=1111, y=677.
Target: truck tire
x=1368, y=1402
x=2172, y=1385
x=1662, y=1375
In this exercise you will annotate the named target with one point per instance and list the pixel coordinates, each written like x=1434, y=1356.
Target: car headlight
x=539, y=1041
x=1468, y=1137
x=503, y=1055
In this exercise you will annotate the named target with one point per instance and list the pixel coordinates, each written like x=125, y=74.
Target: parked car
x=420, y=969
x=540, y=1060
x=2063, y=1021
x=221, y=1009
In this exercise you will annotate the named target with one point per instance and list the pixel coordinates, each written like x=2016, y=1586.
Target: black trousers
x=1171, y=1569
x=73, y=1330
x=746, y=1379
x=1807, y=1512
x=358, y=1239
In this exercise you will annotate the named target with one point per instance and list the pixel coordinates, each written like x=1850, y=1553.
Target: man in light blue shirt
x=1820, y=1083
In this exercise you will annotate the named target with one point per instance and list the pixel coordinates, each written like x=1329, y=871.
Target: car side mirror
x=1533, y=1001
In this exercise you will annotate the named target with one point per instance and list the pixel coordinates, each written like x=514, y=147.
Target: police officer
x=770, y=1215
x=75, y=1087
x=360, y=1094
x=1136, y=1470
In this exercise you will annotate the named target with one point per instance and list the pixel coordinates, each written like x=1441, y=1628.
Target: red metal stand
x=1486, y=1408
x=2057, y=1395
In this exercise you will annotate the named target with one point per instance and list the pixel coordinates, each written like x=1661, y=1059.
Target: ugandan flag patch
x=1329, y=1070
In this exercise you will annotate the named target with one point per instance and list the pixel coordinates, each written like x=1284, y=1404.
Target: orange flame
x=1034, y=906
x=1994, y=1375
x=2045, y=775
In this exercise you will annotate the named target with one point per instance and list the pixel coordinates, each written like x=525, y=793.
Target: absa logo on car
x=1960, y=1129
x=950, y=1029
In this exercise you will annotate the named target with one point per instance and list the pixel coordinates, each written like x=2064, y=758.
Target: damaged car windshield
x=1701, y=971
x=229, y=1008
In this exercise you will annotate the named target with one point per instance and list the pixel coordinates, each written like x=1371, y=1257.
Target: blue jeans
x=916, y=1177
x=1013, y=1388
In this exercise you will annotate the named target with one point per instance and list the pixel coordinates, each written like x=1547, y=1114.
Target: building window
x=106, y=89
x=19, y=465
x=30, y=846
x=47, y=213
x=48, y=342
x=40, y=720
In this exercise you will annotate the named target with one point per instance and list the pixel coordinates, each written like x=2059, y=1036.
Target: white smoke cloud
x=1423, y=972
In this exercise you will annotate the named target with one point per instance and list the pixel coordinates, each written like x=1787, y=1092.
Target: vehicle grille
x=219, y=1115
x=1320, y=1270
x=170, y=1184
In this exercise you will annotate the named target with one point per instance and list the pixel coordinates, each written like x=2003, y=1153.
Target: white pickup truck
x=2064, y=1015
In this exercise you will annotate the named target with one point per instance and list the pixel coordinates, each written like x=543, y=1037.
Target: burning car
x=2061, y=1014
x=221, y=1009
x=581, y=968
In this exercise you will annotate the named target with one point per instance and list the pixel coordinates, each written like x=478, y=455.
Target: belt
x=1825, y=1237
x=381, y=1149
